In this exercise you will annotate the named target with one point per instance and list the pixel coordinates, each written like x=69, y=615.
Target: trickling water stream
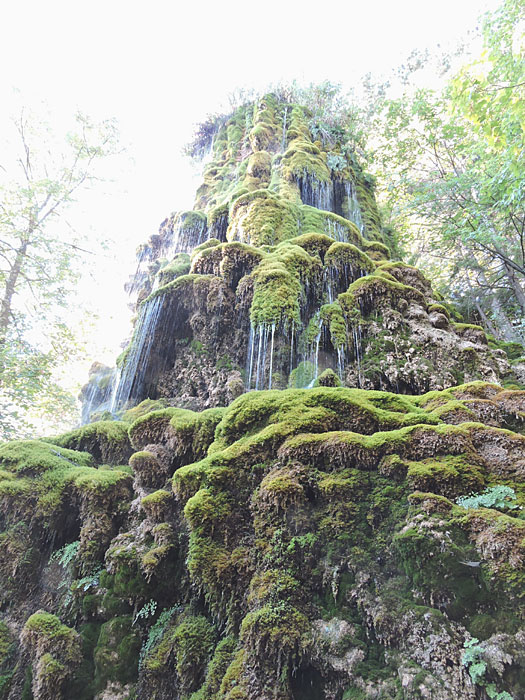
x=316, y=193
x=183, y=237
x=283, y=140
x=131, y=380
x=353, y=212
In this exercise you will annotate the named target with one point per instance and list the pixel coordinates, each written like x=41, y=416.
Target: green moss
x=222, y=658
x=6, y=644
x=157, y=506
x=210, y=243
x=448, y=475
x=205, y=509
x=340, y=255
x=433, y=559
x=141, y=409
x=333, y=316
x=372, y=291
x=233, y=686
x=116, y=653
x=106, y=441
x=302, y=376
x=188, y=433
x=45, y=631
x=230, y=261
x=261, y=218
x=328, y=378
x=276, y=631
x=471, y=331
x=180, y=265
x=190, y=640
x=314, y=243
x=49, y=481
x=185, y=281
x=438, y=308
x=33, y=457
x=514, y=351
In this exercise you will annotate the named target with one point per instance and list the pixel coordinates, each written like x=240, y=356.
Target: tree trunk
x=515, y=286
x=10, y=288
x=505, y=327
x=486, y=320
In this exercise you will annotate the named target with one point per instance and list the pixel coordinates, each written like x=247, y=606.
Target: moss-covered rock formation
x=315, y=486
x=283, y=270
x=307, y=543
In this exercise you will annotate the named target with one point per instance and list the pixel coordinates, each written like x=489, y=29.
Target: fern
x=493, y=497
x=66, y=554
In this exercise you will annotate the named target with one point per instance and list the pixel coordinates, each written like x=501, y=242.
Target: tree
x=453, y=162
x=40, y=253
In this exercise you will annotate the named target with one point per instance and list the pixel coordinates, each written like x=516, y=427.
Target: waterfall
x=271, y=358
x=340, y=363
x=96, y=395
x=330, y=281
x=88, y=401
x=336, y=230
x=260, y=337
x=261, y=357
x=283, y=140
x=183, y=237
x=356, y=331
x=316, y=193
x=353, y=212
x=131, y=380
x=316, y=361
x=249, y=359
x=239, y=233
x=141, y=275
x=115, y=383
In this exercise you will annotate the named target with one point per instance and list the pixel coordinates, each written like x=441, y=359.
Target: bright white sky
x=159, y=67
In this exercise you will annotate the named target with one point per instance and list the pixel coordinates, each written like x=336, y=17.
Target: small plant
x=148, y=610
x=493, y=497
x=66, y=554
x=156, y=632
x=472, y=659
x=87, y=582
x=197, y=347
x=336, y=162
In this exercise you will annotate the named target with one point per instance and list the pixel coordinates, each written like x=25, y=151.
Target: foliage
x=91, y=580
x=472, y=659
x=39, y=258
x=452, y=166
x=147, y=610
x=493, y=497
x=156, y=631
x=66, y=554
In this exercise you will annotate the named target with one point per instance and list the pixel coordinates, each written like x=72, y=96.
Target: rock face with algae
x=314, y=489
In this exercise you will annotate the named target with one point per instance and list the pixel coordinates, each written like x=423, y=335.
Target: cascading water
x=316, y=193
x=183, y=237
x=353, y=210
x=260, y=357
x=316, y=357
x=140, y=277
x=239, y=234
x=132, y=374
x=283, y=139
x=357, y=338
x=336, y=230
